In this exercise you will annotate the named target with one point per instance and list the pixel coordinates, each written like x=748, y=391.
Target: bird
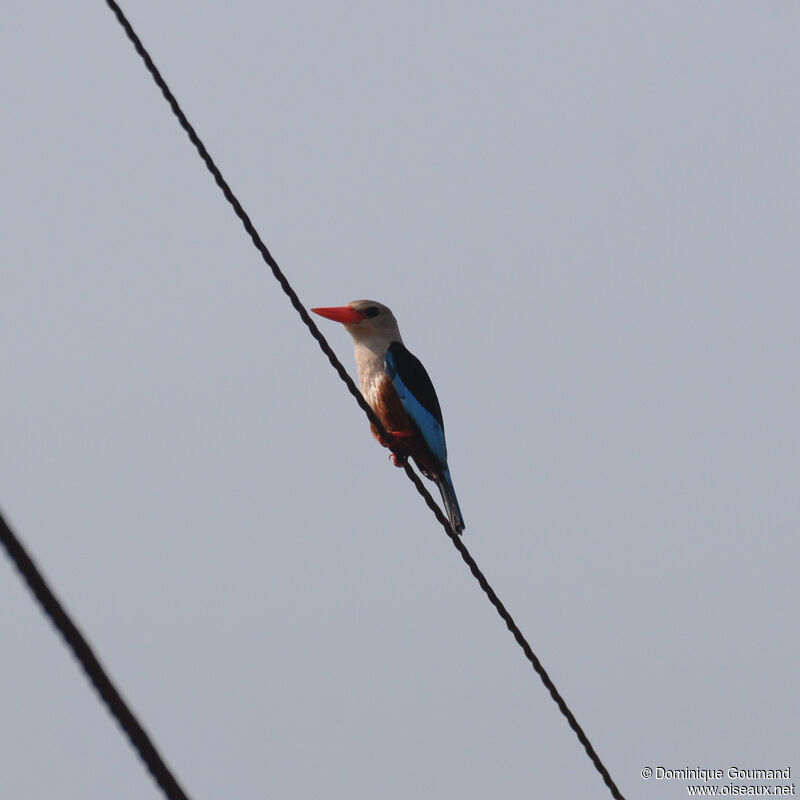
x=397, y=388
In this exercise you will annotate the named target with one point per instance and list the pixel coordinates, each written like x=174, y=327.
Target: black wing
x=418, y=397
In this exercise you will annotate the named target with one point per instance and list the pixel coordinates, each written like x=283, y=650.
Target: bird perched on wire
x=399, y=391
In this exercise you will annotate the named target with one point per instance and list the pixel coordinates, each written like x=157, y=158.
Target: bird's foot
x=397, y=438
x=398, y=461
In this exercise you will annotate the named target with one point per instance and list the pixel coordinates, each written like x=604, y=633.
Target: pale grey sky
x=584, y=216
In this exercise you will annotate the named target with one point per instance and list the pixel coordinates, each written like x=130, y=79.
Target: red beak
x=343, y=314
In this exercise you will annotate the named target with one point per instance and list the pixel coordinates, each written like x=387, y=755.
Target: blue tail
x=445, y=484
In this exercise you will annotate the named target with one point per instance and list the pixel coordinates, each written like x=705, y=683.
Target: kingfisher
x=397, y=388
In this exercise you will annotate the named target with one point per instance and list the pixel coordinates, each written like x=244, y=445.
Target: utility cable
x=83, y=652
x=337, y=365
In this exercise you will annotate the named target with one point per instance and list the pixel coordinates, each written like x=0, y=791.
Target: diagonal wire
x=337, y=365
x=91, y=665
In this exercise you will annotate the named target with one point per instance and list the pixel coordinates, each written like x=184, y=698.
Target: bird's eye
x=371, y=311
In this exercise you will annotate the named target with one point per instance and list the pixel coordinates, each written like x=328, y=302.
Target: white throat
x=370, y=351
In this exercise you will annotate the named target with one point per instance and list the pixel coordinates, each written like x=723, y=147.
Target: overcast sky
x=584, y=216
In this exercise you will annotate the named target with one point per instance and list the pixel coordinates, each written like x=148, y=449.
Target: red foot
x=400, y=461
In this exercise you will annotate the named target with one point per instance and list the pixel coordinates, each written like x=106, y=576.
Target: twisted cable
x=353, y=389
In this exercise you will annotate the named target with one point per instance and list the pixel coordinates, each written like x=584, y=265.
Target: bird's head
x=364, y=319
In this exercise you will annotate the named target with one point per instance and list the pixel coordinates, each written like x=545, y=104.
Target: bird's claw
x=398, y=461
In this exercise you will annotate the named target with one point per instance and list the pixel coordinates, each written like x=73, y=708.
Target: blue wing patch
x=418, y=399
